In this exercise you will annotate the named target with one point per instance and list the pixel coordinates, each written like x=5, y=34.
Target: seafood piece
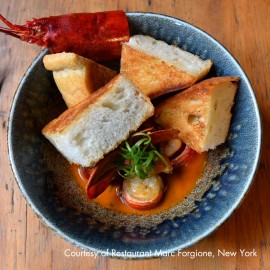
x=140, y=156
x=99, y=187
x=100, y=176
x=161, y=167
x=170, y=147
x=163, y=135
x=143, y=194
x=184, y=158
x=97, y=36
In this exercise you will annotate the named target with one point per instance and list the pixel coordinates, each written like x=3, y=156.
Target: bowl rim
x=188, y=244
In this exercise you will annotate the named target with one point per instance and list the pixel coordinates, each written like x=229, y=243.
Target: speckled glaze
x=29, y=114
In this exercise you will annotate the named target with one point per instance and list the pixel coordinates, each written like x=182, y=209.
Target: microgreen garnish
x=138, y=157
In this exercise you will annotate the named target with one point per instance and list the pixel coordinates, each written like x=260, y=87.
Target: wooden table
x=242, y=26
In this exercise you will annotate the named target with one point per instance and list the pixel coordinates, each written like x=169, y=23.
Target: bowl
x=29, y=113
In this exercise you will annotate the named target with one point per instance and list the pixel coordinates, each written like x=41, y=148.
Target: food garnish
x=139, y=159
x=97, y=36
x=136, y=158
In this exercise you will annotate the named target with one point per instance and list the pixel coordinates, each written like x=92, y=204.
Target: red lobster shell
x=97, y=36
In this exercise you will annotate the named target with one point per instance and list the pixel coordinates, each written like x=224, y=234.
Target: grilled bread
x=75, y=76
x=158, y=68
x=202, y=113
x=87, y=131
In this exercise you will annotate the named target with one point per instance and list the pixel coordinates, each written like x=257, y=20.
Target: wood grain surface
x=242, y=26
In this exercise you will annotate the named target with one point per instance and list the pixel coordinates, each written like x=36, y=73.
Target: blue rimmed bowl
x=29, y=113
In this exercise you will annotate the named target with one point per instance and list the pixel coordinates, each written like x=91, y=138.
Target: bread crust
x=75, y=76
x=60, y=61
x=153, y=76
x=71, y=114
x=89, y=130
x=177, y=111
x=158, y=68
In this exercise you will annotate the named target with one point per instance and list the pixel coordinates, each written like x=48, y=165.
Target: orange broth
x=179, y=185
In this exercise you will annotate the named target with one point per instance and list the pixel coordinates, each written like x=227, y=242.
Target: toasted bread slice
x=75, y=76
x=87, y=131
x=158, y=68
x=202, y=113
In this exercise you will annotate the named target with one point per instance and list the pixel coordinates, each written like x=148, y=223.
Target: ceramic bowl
x=29, y=114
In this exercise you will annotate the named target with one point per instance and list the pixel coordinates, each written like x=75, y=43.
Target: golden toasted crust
x=63, y=60
x=180, y=111
x=74, y=112
x=153, y=76
x=75, y=76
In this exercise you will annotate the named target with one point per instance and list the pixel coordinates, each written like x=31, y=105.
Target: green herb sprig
x=138, y=159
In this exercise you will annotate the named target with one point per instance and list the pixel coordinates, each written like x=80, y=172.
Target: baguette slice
x=75, y=76
x=202, y=113
x=87, y=131
x=158, y=68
